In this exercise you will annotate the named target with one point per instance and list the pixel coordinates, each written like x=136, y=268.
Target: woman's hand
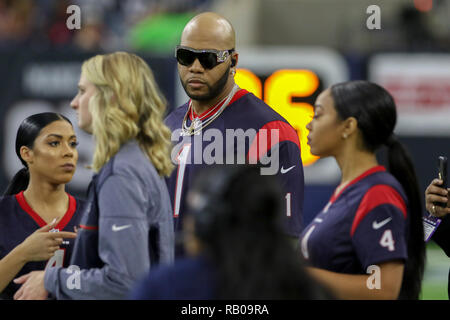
x=32, y=286
x=42, y=244
x=434, y=193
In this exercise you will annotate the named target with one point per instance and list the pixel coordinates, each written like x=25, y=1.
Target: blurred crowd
x=155, y=25
x=105, y=24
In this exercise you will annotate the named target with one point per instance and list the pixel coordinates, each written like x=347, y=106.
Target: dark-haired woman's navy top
x=18, y=220
x=365, y=224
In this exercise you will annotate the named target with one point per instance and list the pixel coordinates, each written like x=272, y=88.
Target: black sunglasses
x=208, y=58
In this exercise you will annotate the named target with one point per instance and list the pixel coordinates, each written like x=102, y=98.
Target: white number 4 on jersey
x=387, y=240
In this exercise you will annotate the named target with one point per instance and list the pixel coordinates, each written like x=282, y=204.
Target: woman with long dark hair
x=235, y=244
x=367, y=243
x=36, y=202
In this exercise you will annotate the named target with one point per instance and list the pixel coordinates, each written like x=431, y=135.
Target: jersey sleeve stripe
x=82, y=226
x=377, y=196
x=259, y=147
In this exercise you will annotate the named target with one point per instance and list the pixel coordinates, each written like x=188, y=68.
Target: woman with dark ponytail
x=367, y=243
x=35, y=202
x=18, y=183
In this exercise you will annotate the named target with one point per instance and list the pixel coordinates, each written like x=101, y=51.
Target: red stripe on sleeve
x=377, y=196
x=82, y=226
x=263, y=142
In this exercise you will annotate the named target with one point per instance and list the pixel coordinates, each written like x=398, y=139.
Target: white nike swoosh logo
x=283, y=171
x=116, y=228
x=378, y=225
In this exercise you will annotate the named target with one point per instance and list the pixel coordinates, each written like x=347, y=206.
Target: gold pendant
x=191, y=128
x=196, y=124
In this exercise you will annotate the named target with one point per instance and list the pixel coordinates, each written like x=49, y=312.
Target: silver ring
x=433, y=209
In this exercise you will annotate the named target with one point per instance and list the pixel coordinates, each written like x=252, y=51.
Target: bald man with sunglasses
x=207, y=61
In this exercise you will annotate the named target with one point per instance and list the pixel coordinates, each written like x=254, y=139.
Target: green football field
x=434, y=286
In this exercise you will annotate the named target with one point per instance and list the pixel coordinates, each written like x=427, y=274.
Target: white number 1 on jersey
x=182, y=160
x=288, y=204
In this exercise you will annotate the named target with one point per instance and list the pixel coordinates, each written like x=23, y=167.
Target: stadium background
x=290, y=50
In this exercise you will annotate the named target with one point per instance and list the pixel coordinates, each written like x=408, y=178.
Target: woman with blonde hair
x=128, y=226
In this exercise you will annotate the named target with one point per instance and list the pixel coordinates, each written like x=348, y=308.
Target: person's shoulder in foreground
x=190, y=278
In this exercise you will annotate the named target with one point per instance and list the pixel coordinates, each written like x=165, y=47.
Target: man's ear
x=234, y=59
x=26, y=154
